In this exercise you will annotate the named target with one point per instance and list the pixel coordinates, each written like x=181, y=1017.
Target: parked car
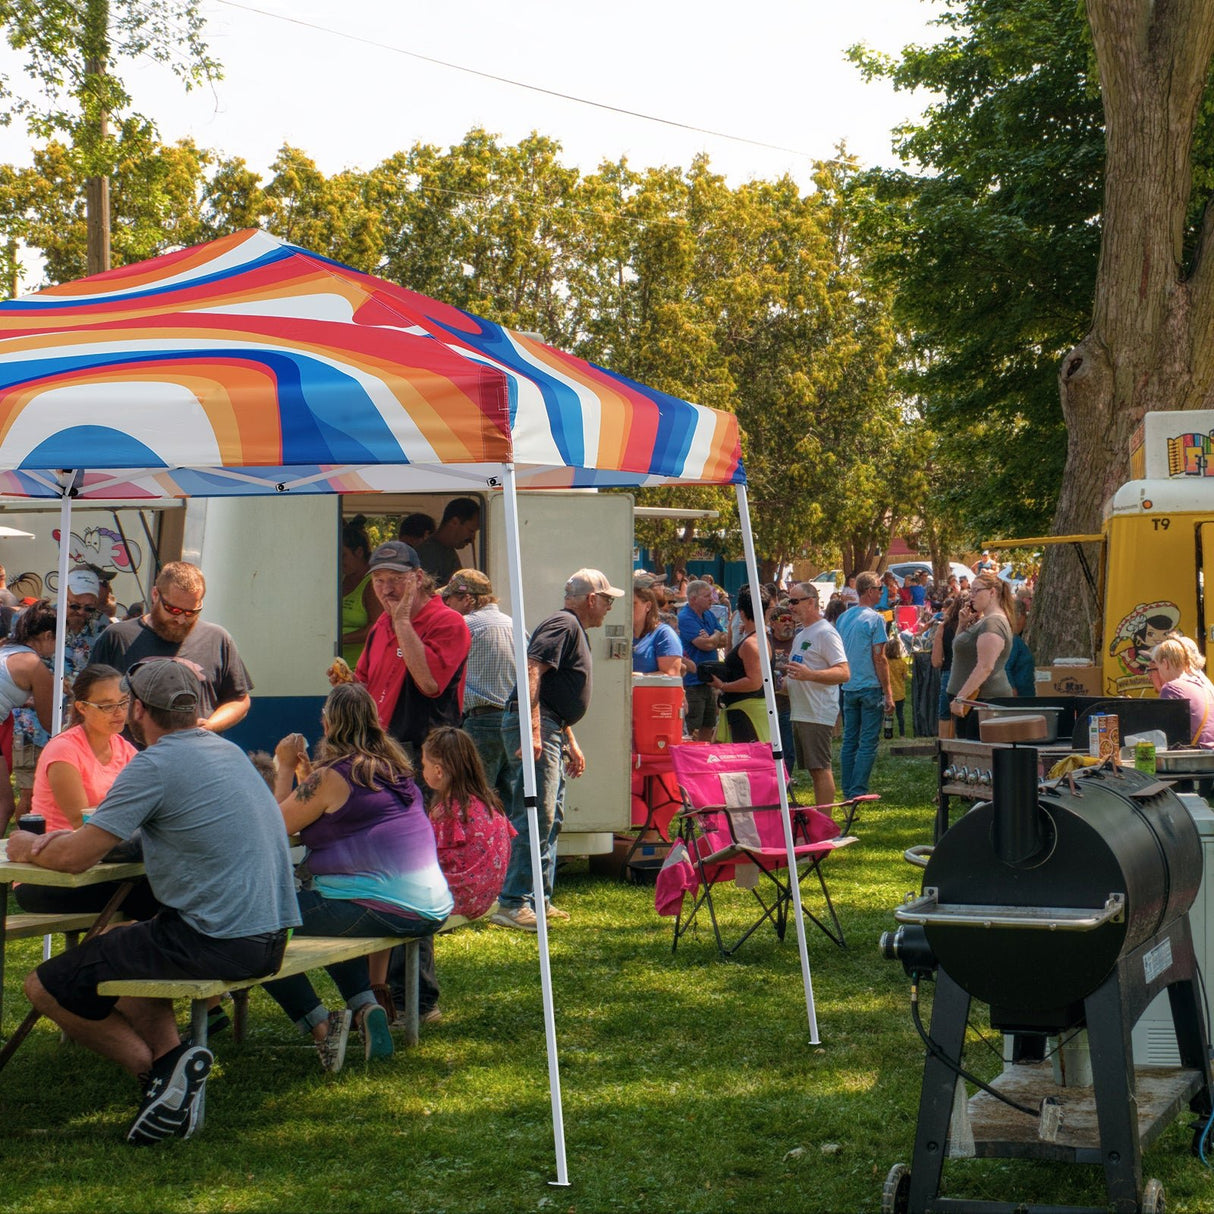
x=827, y=582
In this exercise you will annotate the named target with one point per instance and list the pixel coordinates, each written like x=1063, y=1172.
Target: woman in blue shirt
x=656, y=648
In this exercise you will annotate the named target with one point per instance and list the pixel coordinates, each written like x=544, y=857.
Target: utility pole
x=97, y=189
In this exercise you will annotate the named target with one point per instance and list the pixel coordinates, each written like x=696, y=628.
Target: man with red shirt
x=413, y=665
x=414, y=658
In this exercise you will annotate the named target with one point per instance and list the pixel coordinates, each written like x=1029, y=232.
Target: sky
x=330, y=79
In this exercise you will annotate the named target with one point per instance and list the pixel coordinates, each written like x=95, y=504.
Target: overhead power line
x=518, y=84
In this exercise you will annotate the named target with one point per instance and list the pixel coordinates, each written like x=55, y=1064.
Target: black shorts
x=163, y=947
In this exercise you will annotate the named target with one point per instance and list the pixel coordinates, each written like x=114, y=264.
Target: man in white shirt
x=817, y=665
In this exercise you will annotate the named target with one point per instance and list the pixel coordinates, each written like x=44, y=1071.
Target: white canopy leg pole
x=65, y=544
x=769, y=694
x=65, y=547
x=533, y=828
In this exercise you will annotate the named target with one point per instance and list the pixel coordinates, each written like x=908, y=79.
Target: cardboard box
x=1068, y=681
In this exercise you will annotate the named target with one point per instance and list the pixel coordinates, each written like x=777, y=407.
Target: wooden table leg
x=102, y=922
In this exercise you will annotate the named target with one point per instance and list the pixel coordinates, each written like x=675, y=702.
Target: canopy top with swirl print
x=248, y=365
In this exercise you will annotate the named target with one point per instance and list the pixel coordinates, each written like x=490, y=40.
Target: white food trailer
x=273, y=581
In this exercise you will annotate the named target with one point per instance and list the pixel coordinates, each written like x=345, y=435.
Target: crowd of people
x=411, y=805
x=840, y=668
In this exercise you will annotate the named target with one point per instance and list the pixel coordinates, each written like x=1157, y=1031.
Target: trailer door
x=562, y=532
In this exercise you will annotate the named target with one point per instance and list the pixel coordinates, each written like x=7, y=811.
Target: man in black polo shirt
x=558, y=678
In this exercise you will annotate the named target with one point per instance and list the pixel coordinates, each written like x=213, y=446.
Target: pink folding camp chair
x=732, y=831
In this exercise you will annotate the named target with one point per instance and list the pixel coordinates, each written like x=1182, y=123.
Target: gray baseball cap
x=395, y=554
x=165, y=683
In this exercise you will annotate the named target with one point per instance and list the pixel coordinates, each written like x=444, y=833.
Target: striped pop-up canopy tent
x=249, y=366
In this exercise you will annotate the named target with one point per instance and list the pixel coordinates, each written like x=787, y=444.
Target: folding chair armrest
x=731, y=809
x=852, y=804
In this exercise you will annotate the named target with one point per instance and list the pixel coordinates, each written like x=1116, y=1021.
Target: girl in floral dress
x=472, y=832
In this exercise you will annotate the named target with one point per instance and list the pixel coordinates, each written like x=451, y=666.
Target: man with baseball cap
x=491, y=676
x=413, y=660
x=216, y=853
x=413, y=665
x=558, y=680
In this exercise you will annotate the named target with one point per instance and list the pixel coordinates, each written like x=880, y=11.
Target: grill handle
x=919, y=855
x=926, y=909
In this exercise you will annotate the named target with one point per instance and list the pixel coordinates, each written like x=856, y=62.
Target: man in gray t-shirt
x=215, y=848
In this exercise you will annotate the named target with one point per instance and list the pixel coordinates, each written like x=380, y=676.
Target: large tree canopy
x=752, y=298
x=991, y=244
x=1062, y=222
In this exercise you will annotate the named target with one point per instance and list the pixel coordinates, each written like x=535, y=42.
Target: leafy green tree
x=485, y=227
x=1070, y=166
x=156, y=201
x=69, y=46
x=992, y=246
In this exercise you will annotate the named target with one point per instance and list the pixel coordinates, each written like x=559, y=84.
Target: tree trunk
x=1149, y=344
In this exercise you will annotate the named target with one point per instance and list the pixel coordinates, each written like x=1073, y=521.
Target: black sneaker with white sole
x=170, y=1099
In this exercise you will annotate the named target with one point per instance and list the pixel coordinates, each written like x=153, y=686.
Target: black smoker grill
x=1063, y=907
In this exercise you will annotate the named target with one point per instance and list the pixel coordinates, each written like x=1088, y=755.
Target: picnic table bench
x=26, y=924
x=303, y=953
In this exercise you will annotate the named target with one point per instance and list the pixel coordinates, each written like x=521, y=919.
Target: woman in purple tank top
x=372, y=863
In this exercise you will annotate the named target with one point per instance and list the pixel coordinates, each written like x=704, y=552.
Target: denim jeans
x=339, y=917
x=862, y=715
x=787, y=743
x=485, y=730
x=517, y=888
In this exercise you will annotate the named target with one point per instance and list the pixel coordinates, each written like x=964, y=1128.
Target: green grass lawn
x=689, y=1083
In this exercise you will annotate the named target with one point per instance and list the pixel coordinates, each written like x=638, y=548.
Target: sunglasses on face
x=188, y=612
x=80, y=607
x=806, y=599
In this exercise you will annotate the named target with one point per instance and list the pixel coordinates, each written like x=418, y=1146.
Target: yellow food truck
x=1157, y=550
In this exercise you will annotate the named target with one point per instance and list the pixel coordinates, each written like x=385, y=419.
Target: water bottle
x=888, y=728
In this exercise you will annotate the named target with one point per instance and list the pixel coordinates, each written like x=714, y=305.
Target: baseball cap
x=83, y=581
x=590, y=581
x=165, y=683
x=395, y=554
x=468, y=581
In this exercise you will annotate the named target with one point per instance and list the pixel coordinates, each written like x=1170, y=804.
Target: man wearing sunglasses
x=171, y=628
x=84, y=626
x=85, y=620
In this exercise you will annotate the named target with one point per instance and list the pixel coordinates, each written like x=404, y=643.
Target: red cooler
x=657, y=712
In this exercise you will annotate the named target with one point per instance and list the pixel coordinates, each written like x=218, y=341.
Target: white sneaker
x=332, y=1048
x=521, y=917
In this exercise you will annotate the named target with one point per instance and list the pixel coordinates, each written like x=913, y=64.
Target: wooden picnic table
x=16, y=872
